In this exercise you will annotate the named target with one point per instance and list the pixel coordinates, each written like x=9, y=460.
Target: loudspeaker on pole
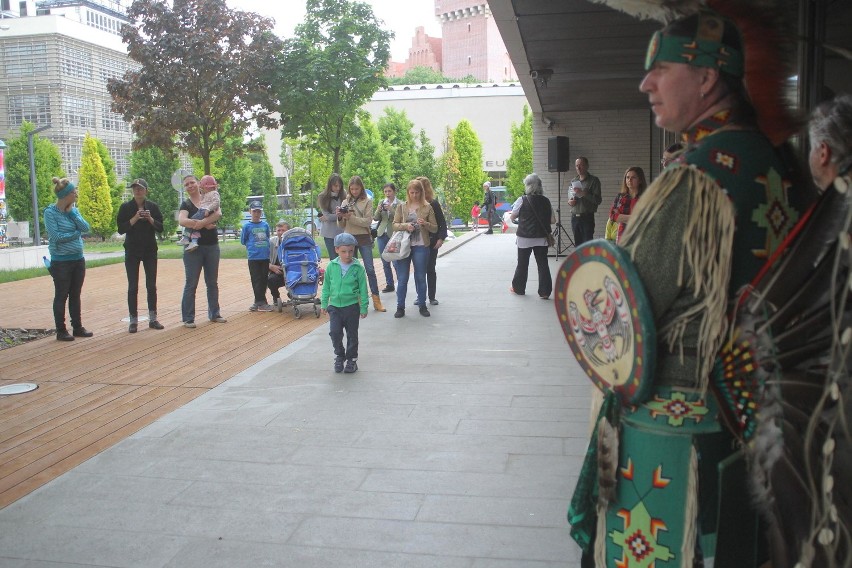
x=558, y=159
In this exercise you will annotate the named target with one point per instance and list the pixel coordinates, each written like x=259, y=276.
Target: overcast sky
x=399, y=16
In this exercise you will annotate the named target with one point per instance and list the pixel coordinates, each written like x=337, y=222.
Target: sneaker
x=154, y=324
x=189, y=324
x=424, y=311
x=388, y=288
x=264, y=308
x=132, y=328
x=338, y=365
x=351, y=366
x=218, y=319
x=82, y=332
x=400, y=313
x=63, y=335
x=434, y=302
x=191, y=247
x=253, y=308
x=183, y=241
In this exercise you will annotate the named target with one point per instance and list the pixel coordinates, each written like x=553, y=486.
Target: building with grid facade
x=56, y=61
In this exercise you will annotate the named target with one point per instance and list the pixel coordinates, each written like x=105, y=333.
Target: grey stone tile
x=515, y=428
x=302, y=500
x=400, y=459
x=523, y=543
x=491, y=511
x=95, y=547
x=257, y=473
x=545, y=485
x=231, y=554
x=462, y=443
x=175, y=520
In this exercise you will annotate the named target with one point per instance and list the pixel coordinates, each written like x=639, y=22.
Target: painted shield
x=607, y=319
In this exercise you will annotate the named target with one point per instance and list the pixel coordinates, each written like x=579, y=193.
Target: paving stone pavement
x=455, y=445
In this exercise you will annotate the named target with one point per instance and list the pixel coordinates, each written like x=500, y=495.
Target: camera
x=343, y=209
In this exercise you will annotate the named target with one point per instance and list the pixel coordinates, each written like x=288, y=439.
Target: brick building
x=470, y=45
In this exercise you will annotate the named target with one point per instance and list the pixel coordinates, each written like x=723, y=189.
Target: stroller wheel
x=316, y=311
x=297, y=312
x=279, y=305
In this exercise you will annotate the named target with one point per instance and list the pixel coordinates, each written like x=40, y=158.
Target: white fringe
x=690, y=518
x=707, y=251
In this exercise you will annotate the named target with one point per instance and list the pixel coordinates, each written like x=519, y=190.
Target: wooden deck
x=94, y=392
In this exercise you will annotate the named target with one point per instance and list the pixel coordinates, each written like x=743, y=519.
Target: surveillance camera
x=534, y=74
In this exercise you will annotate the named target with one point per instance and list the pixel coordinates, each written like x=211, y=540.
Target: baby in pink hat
x=209, y=203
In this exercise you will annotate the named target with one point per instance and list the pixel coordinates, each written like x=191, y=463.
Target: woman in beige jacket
x=355, y=215
x=418, y=218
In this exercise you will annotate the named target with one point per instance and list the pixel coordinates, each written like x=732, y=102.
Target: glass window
x=32, y=108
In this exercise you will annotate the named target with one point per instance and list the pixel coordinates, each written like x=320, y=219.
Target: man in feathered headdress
x=702, y=231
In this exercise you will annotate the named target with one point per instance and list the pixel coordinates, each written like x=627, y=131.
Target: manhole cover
x=18, y=388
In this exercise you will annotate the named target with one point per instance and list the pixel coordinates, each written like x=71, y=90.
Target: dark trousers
x=545, y=283
x=489, y=213
x=340, y=320
x=329, y=246
x=131, y=266
x=274, y=282
x=583, y=227
x=258, y=269
x=431, y=275
x=68, y=276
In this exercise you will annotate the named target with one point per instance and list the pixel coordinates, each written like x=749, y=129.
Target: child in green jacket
x=344, y=299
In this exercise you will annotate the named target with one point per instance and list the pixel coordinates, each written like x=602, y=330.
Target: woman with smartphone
x=138, y=219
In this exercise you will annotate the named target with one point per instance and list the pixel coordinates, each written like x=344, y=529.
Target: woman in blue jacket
x=65, y=228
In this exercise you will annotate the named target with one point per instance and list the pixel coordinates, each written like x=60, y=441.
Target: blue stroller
x=300, y=259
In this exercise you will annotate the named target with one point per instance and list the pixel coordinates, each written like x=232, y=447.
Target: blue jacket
x=65, y=231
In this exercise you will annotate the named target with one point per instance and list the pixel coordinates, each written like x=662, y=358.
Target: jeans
x=366, y=252
x=583, y=227
x=68, y=276
x=346, y=318
x=258, y=269
x=329, y=246
x=131, y=267
x=205, y=257
x=545, y=282
x=382, y=241
x=420, y=257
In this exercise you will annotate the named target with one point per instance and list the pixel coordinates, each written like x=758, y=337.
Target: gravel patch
x=10, y=337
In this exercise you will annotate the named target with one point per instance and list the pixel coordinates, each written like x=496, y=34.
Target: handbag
x=398, y=247
x=611, y=231
x=550, y=239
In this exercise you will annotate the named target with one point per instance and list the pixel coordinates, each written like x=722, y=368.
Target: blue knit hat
x=344, y=239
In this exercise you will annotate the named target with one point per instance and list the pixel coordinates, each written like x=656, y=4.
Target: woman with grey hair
x=830, y=131
x=534, y=215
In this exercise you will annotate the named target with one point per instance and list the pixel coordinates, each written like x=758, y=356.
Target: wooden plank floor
x=95, y=392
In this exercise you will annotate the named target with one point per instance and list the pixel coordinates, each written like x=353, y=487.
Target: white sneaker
x=191, y=247
x=189, y=324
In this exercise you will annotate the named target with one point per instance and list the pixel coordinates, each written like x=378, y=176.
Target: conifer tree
x=94, y=200
x=471, y=175
x=520, y=162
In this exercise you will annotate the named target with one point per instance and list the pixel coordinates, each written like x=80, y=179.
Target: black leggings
x=68, y=276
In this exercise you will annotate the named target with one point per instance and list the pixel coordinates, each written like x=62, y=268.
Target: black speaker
x=557, y=154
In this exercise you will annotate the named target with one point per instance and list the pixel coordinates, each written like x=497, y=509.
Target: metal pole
x=33, y=188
